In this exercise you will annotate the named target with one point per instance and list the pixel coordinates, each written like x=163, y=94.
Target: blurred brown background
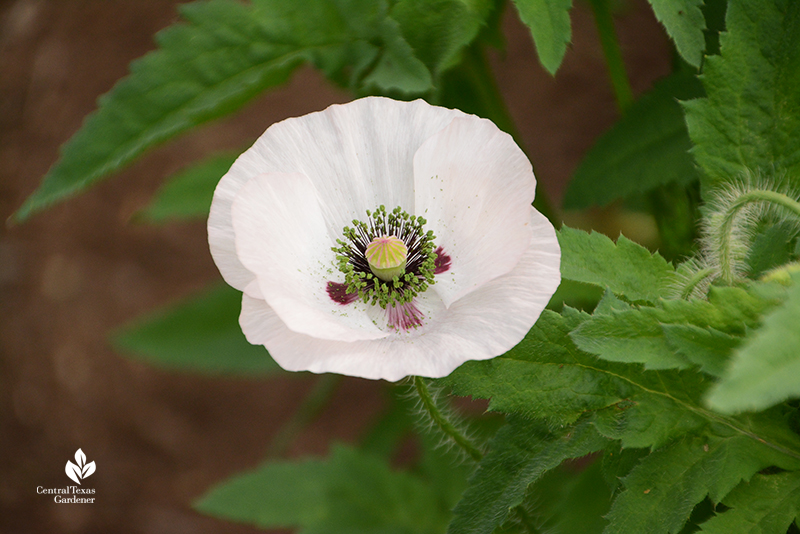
x=71, y=274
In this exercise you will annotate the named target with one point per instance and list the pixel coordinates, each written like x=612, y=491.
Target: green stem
x=698, y=277
x=471, y=87
x=726, y=260
x=310, y=408
x=616, y=67
x=442, y=422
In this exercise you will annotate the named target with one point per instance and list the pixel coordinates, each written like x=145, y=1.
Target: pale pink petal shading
x=479, y=326
x=357, y=155
x=474, y=186
x=282, y=239
x=279, y=210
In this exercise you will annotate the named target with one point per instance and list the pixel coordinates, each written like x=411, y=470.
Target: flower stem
x=443, y=422
x=311, y=406
x=729, y=217
x=610, y=44
x=696, y=278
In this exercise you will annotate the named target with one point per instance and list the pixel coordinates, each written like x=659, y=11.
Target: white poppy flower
x=457, y=267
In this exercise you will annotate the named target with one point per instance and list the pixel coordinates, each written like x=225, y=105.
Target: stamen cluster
x=420, y=262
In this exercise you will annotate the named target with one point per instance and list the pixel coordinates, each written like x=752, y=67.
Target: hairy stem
x=442, y=421
x=726, y=260
x=616, y=67
x=696, y=279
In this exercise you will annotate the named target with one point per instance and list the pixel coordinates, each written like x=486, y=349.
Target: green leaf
x=618, y=462
x=685, y=23
x=201, y=334
x=610, y=303
x=648, y=147
x=398, y=69
x=766, y=370
x=548, y=378
x=545, y=376
x=638, y=335
x=663, y=489
x=438, y=30
x=555, y=498
x=349, y=492
x=771, y=248
x=187, y=194
x=575, y=295
x=714, y=12
x=632, y=336
x=706, y=347
x=653, y=417
x=625, y=268
x=520, y=453
x=766, y=505
x=751, y=117
x=550, y=28
x=224, y=54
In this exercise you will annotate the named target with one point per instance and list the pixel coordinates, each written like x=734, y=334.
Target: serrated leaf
x=548, y=21
x=437, y=30
x=546, y=377
x=631, y=336
x=648, y=147
x=188, y=194
x=625, y=268
x=520, y=453
x=201, y=334
x=685, y=23
x=638, y=335
x=708, y=348
x=766, y=370
x=654, y=417
x=751, y=117
x=575, y=295
x=542, y=377
x=714, y=12
x=348, y=492
x=225, y=53
x=661, y=491
x=610, y=303
x=618, y=462
x=398, y=69
x=767, y=504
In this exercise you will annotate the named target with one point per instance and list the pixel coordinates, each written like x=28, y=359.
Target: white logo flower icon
x=80, y=471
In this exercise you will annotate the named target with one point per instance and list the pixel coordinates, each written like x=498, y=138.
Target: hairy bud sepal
x=734, y=212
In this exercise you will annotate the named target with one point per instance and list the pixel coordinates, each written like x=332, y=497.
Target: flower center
x=387, y=260
x=386, y=256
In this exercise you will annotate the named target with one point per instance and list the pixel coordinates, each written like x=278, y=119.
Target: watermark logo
x=76, y=472
x=81, y=470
